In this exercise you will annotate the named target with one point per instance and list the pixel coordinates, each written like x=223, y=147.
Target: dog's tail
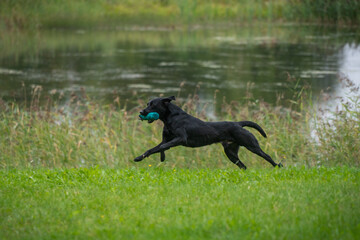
x=253, y=125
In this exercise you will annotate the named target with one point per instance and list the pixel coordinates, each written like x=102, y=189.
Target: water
x=145, y=63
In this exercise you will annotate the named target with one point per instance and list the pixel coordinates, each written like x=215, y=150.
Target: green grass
x=157, y=203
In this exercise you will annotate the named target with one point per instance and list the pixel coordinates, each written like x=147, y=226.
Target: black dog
x=183, y=129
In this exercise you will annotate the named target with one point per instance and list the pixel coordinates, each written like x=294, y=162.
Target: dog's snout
x=142, y=112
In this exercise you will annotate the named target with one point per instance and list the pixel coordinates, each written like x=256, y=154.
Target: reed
x=84, y=133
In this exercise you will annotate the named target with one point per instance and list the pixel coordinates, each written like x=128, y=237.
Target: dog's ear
x=169, y=99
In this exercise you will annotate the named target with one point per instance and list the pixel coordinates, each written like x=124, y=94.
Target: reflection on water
x=350, y=63
x=349, y=69
x=148, y=63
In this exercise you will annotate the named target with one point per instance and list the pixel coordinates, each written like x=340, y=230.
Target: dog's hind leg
x=231, y=151
x=248, y=140
x=257, y=150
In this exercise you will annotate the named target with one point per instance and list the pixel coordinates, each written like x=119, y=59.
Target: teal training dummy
x=151, y=116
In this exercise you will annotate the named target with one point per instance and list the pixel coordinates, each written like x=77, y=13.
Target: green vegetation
x=326, y=11
x=33, y=14
x=154, y=203
x=66, y=166
x=66, y=169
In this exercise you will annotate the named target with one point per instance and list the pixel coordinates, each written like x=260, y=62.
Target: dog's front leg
x=146, y=154
x=162, y=156
x=160, y=148
x=165, y=137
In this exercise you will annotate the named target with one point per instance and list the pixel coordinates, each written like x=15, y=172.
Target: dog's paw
x=280, y=165
x=139, y=158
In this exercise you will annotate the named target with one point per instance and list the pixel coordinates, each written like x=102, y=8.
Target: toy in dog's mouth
x=152, y=116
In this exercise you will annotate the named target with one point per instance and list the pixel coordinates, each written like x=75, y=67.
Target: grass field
x=157, y=203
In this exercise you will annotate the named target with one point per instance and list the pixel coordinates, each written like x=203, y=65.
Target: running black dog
x=183, y=129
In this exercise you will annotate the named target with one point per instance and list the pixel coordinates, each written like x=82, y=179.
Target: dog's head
x=159, y=105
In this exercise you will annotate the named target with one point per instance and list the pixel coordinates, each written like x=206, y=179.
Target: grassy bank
x=153, y=203
x=25, y=14
x=91, y=13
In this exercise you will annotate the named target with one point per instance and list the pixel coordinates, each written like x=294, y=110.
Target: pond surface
x=146, y=62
